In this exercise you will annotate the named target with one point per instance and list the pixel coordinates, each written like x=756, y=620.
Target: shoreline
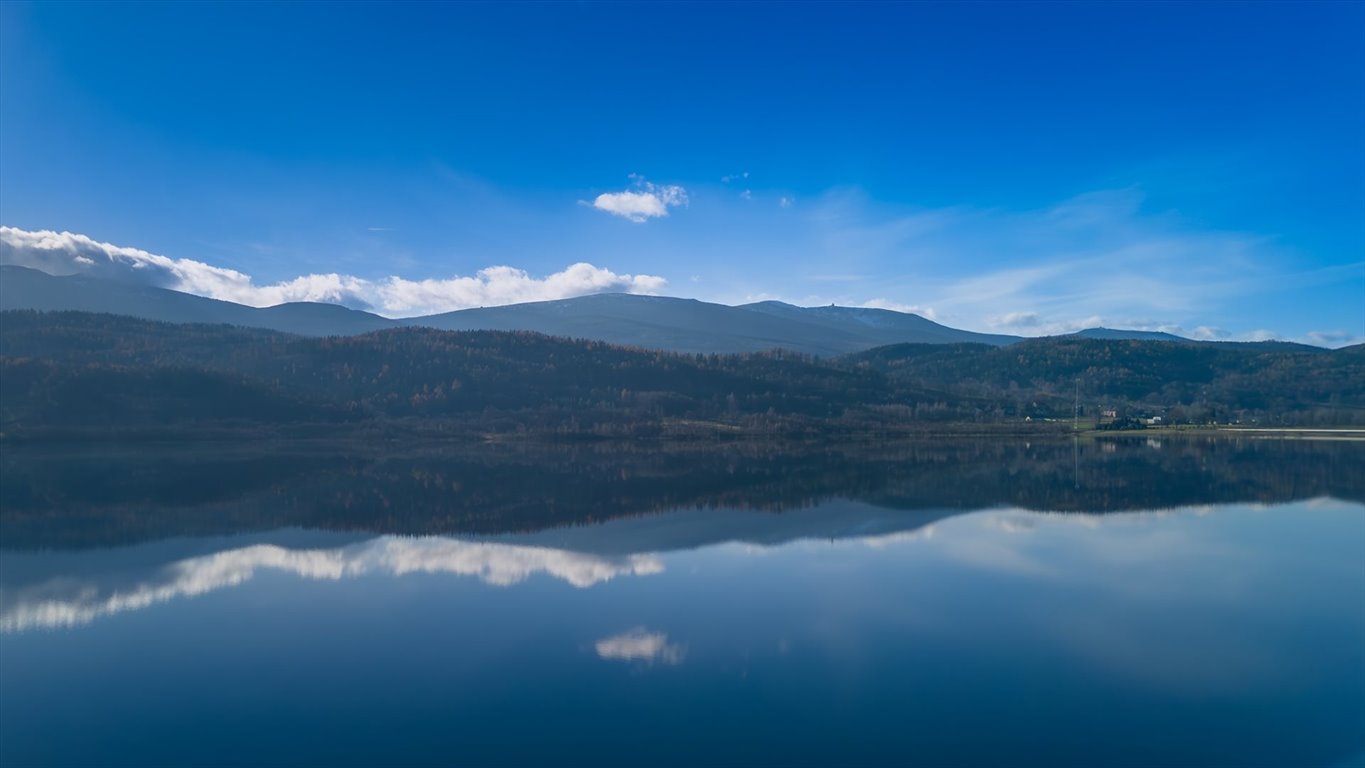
x=660, y=434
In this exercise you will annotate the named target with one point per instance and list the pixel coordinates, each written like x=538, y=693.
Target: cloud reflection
x=1008, y=540
x=67, y=602
x=640, y=644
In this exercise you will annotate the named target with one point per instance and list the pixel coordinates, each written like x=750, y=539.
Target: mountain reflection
x=99, y=496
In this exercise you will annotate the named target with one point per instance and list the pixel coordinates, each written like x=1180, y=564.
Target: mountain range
x=651, y=322
x=65, y=371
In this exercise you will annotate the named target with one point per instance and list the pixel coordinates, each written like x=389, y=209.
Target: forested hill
x=1184, y=382
x=78, y=370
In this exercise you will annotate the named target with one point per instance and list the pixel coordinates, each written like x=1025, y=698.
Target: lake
x=1132, y=600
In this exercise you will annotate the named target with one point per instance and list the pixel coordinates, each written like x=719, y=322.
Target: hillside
x=501, y=381
x=1181, y=381
x=24, y=288
x=78, y=370
x=879, y=326
x=658, y=322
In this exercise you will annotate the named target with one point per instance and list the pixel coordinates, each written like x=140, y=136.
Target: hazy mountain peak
x=654, y=322
x=1122, y=334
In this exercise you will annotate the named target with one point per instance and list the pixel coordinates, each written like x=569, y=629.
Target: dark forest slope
x=73, y=369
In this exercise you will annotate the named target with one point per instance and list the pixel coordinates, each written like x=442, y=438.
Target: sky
x=1005, y=167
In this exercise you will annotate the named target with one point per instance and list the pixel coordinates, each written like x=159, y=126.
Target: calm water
x=1139, y=601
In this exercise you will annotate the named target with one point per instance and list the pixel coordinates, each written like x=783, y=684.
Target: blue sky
x=1005, y=167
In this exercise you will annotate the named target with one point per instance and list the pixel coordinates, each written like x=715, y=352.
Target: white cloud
x=1333, y=338
x=1034, y=323
x=64, y=253
x=1018, y=320
x=896, y=306
x=785, y=202
x=507, y=285
x=67, y=602
x=1206, y=333
x=646, y=201
x=640, y=644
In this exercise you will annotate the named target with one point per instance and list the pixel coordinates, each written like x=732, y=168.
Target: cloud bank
x=644, y=202
x=66, y=253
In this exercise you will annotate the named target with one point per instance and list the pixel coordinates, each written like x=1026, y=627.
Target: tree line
x=74, y=370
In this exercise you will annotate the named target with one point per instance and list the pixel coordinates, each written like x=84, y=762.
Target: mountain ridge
x=1121, y=334
x=27, y=288
x=663, y=323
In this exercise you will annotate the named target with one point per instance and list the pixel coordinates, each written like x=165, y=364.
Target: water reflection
x=1185, y=605
x=52, y=497
x=640, y=645
x=64, y=601
x=37, y=594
